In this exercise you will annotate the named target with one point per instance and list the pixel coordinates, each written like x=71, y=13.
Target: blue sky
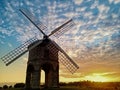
x=94, y=42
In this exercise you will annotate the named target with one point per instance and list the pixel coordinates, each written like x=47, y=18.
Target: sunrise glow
x=97, y=78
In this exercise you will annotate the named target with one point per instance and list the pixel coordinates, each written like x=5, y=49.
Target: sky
x=93, y=43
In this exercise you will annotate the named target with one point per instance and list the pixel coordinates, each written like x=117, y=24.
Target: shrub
x=5, y=87
x=0, y=88
x=10, y=86
x=19, y=85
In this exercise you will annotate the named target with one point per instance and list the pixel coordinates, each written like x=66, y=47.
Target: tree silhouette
x=5, y=87
x=19, y=85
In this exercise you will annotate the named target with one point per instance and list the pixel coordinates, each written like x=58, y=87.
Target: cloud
x=103, y=10
x=78, y=2
x=10, y=45
x=110, y=1
x=116, y=1
x=5, y=32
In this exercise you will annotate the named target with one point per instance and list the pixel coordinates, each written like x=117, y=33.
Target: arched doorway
x=51, y=71
x=42, y=78
x=47, y=68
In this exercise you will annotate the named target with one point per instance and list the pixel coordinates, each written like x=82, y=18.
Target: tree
x=10, y=86
x=19, y=85
x=5, y=87
x=0, y=88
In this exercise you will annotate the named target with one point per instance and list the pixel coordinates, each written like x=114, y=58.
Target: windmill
x=43, y=55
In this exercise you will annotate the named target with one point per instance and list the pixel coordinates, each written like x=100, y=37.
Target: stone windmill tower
x=43, y=55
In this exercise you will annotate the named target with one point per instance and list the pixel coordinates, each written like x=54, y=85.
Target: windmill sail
x=35, y=21
x=64, y=58
x=62, y=29
x=16, y=53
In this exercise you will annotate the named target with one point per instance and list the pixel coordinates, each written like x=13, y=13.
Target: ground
x=85, y=85
x=75, y=88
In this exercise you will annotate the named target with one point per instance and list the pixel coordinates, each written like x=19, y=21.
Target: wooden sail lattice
x=17, y=52
x=63, y=57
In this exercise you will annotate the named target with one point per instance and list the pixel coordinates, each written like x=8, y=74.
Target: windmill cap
x=32, y=44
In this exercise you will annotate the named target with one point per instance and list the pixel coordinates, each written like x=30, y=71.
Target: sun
x=97, y=78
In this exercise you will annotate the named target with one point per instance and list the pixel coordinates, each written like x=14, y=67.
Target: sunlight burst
x=97, y=78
